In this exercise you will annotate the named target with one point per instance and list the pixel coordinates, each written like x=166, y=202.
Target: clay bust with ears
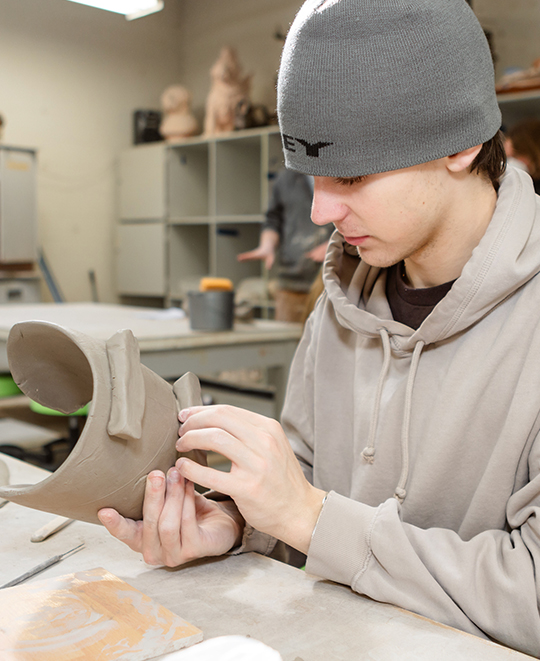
x=132, y=424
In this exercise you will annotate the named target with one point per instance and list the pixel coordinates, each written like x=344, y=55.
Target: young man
x=413, y=408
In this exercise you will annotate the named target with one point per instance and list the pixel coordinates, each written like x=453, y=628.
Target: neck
x=465, y=221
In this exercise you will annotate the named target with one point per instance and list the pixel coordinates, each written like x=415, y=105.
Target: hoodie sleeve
x=488, y=585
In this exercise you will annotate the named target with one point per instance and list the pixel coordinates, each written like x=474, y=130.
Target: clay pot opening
x=49, y=367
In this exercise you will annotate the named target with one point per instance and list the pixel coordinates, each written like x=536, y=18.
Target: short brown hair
x=491, y=160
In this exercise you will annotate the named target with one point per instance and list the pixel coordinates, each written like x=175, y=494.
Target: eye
x=349, y=181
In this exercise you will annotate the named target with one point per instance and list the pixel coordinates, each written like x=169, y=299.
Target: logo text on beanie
x=312, y=148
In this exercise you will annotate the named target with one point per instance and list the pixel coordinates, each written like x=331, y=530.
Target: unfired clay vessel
x=132, y=424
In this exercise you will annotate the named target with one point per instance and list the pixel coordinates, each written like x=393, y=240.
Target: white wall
x=515, y=25
x=70, y=78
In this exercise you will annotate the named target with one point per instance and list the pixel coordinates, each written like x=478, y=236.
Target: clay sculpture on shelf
x=178, y=121
x=229, y=91
x=132, y=423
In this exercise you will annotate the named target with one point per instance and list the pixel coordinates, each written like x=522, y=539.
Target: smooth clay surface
x=132, y=424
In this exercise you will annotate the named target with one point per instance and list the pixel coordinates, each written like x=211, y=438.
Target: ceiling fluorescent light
x=130, y=8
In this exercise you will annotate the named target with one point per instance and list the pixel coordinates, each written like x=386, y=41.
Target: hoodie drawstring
x=400, y=492
x=368, y=453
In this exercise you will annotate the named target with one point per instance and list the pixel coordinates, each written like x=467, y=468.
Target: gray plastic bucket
x=211, y=310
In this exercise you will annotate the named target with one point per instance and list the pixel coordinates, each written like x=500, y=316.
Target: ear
x=463, y=159
x=128, y=392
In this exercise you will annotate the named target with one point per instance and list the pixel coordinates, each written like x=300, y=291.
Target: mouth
x=356, y=240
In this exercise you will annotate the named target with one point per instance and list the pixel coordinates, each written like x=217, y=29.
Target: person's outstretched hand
x=265, y=481
x=264, y=253
x=178, y=524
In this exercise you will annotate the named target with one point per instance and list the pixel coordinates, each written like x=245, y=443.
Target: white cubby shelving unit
x=187, y=209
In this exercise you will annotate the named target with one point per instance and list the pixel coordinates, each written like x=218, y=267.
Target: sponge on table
x=215, y=284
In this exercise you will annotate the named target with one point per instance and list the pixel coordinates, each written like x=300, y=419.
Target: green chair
x=8, y=387
x=45, y=410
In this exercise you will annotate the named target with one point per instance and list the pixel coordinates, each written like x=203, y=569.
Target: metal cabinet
x=18, y=205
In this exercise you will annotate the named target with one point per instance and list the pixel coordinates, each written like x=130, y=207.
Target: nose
x=327, y=206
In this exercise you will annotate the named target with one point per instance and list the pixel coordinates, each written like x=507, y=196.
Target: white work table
x=168, y=346
x=300, y=616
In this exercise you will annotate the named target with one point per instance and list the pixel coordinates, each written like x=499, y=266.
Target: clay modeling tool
x=50, y=528
x=41, y=567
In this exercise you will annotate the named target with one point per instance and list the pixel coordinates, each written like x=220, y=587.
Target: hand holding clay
x=265, y=480
x=178, y=524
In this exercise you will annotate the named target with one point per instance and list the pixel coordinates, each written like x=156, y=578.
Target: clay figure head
x=227, y=67
x=176, y=98
x=132, y=424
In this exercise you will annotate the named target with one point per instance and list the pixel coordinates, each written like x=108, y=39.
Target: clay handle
x=187, y=391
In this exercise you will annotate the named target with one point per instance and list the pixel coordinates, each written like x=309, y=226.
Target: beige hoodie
x=427, y=440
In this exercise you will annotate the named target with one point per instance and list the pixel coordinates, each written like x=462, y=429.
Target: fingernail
x=173, y=475
x=182, y=416
x=155, y=480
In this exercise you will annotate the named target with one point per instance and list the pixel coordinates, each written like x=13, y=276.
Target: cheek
x=391, y=214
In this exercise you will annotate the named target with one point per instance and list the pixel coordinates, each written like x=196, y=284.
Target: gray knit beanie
x=368, y=86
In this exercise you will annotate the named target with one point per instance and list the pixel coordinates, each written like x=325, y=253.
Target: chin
x=377, y=261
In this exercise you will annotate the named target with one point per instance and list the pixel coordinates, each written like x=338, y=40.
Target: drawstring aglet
x=400, y=495
x=369, y=454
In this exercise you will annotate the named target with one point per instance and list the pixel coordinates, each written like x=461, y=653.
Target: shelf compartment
x=188, y=181
x=238, y=177
x=142, y=183
x=231, y=239
x=188, y=257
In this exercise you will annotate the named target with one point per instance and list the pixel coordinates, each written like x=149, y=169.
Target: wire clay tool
x=41, y=567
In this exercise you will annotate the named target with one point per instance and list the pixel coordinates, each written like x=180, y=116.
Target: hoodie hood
x=512, y=241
